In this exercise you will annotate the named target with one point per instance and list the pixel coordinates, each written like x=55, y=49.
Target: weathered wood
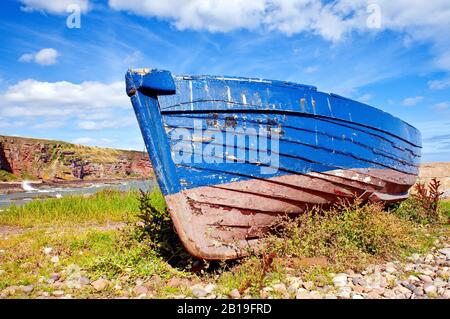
x=222, y=204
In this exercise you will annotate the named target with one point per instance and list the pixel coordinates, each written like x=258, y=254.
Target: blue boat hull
x=223, y=195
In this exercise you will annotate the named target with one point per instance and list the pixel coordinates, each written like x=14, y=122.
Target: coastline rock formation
x=27, y=158
x=440, y=171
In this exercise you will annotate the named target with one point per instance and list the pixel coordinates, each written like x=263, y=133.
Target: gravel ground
x=420, y=277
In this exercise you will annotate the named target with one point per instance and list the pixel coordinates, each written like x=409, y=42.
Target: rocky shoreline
x=422, y=277
x=16, y=187
x=419, y=277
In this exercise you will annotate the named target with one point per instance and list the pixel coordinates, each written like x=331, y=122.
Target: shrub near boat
x=291, y=148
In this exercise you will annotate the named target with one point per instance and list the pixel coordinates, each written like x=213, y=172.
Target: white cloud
x=90, y=125
x=310, y=69
x=365, y=98
x=34, y=98
x=12, y=124
x=421, y=20
x=27, y=57
x=218, y=15
x=53, y=6
x=52, y=105
x=133, y=58
x=331, y=19
x=50, y=124
x=439, y=84
x=47, y=56
x=442, y=106
x=412, y=101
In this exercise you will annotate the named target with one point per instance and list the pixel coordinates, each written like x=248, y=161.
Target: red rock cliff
x=49, y=160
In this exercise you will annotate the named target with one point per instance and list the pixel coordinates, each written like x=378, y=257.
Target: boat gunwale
x=281, y=84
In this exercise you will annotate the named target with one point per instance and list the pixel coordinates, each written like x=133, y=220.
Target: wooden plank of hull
x=229, y=220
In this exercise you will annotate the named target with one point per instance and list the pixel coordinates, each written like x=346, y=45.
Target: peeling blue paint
x=320, y=132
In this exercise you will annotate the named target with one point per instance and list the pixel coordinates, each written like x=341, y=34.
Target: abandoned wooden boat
x=223, y=193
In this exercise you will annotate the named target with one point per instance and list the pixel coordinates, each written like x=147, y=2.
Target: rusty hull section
x=228, y=221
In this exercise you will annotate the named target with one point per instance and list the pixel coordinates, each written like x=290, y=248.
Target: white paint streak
x=191, y=95
x=228, y=94
x=244, y=99
x=367, y=179
x=329, y=106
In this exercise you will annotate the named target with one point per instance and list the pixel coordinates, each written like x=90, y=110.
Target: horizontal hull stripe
x=380, y=164
x=283, y=112
x=373, y=138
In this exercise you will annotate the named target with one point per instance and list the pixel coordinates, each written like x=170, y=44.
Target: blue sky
x=67, y=84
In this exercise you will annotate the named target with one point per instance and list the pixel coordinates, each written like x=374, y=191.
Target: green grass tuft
x=104, y=206
x=7, y=177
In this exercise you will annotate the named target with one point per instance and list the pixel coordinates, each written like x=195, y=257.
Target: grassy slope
x=98, y=251
x=7, y=177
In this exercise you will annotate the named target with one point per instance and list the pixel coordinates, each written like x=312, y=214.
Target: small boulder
x=100, y=284
x=445, y=251
x=340, y=280
x=55, y=259
x=198, y=291
x=27, y=289
x=425, y=278
x=235, y=294
x=140, y=290
x=429, y=288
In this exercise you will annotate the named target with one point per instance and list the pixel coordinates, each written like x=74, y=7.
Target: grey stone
x=429, y=288
x=418, y=291
x=425, y=278
x=279, y=288
x=358, y=281
x=198, y=291
x=302, y=294
x=390, y=270
x=27, y=289
x=438, y=282
x=373, y=295
x=446, y=294
x=410, y=287
x=344, y=292
x=292, y=288
x=445, y=251
x=140, y=290
x=100, y=284
x=210, y=288
x=235, y=294
x=389, y=294
x=55, y=259
x=340, y=280
x=84, y=281
x=315, y=295
x=58, y=293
